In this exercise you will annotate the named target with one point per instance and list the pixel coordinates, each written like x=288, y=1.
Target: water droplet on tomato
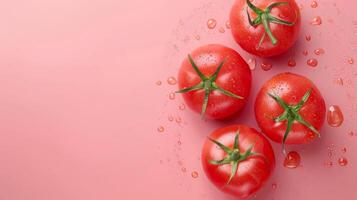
x=344, y=150
x=182, y=106
x=312, y=62
x=274, y=186
x=305, y=52
x=308, y=37
x=171, y=80
x=211, y=23
x=228, y=24
x=158, y=83
x=316, y=21
x=350, y=61
x=319, y=51
x=334, y=116
x=291, y=62
x=342, y=161
x=266, y=66
x=172, y=96
x=252, y=63
x=292, y=160
x=221, y=30
x=314, y=4
x=160, y=129
x=194, y=174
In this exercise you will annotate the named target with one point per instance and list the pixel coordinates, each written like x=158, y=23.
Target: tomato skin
x=248, y=37
x=234, y=76
x=291, y=88
x=252, y=173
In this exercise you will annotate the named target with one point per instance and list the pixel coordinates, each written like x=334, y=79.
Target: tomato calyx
x=208, y=84
x=265, y=18
x=291, y=114
x=234, y=156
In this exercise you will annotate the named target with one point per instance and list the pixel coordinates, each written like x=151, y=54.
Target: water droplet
x=183, y=169
x=158, y=83
x=160, y=129
x=351, y=133
x=339, y=81
x=350, y=61
x=305, y=52
x=344, y=150
x=274, y=186
x=170, y=118
x=182, y=106
x=171, y=80
x=194, y=174
x=314, y=4
x=178, y=119
x=316, y=21
x=197, y=37
x=319, y=51
x=328, y=164
x=312, y=62
x=211, y=23
x=172, y=96
x=308, y=37
x=330, y=154
x=334, y=116
x=292, y=160
x=221, y=30
x=252, y=63
x=179, y=142
x=291, y=62
x=342, y=161
x=228, y=24
x=266, y=66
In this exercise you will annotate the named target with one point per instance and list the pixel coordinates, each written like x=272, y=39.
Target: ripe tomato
x=265, y=27
x=290, y=109
x=238, y=160
x=215, y=81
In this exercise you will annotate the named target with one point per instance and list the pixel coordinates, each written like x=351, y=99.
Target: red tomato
x=265, y=27
x=290, y=109
x=215, y=81
x=238, y=160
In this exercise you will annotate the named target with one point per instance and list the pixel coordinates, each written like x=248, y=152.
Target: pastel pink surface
x=79, y=107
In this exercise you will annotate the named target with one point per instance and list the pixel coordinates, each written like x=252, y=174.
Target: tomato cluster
x=215, y=81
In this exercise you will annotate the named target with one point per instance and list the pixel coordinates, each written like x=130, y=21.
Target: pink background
x=79, y=107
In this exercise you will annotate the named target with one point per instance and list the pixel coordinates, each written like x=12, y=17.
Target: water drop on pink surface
x=351, y=133
x=312, y=62
x=291, y=62
x=342, y=161
x=211, y=23
x=170, y=118
x=308, y=37
x=171, y=80
x=266, y=66
x=334, y=116
x=292, y=160
x=316, y=21
x=194, y=174
x=328, y=164
x=179, y=142
x=158, y=83
x=305, y=52
x=252, y=63
x=314, y=4
x=221, y=30
x=182, y=106
x=183, y=169
x=344, y=150
x=172, y=96
x=160, y=129
x=350, y=61
x=319, y=51
x=178, y=119
x=197, y=37
x=228, y=24
x=339, y=81
x=274, y=186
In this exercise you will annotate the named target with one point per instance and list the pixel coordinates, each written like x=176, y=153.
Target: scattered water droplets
x=171, y=80
x=228, y=24
x=266, y=66
x=194, y=174
x=274, y=186
x=252, y=63
x=211, y=23
x=291, y=62
x=316, y=21
x=350, y=61
x=342, y=161
x=305, y=53
x=292, y=160
x=221, y=30
x=158, y=83
x=308, y=37
x=182, y=107
x=312, y=62
x=172, y=96
x=160, y=129
x=314, y=4
x=319, y=51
